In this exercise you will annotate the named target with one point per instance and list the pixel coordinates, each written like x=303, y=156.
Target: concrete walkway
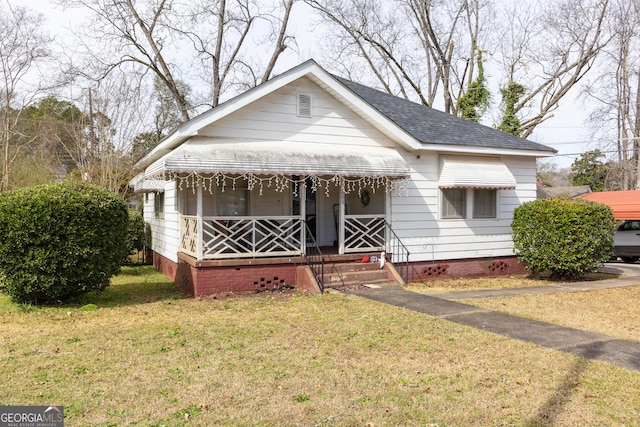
x=590, y=345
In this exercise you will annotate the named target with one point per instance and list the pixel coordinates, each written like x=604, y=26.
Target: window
x=158, y=205
x=462, y=203
x=454, y=203
x=232, y=202
x=484, y=203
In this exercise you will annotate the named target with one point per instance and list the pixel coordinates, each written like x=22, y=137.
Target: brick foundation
x=480, y=267
x=200, y=279
x=197, y=280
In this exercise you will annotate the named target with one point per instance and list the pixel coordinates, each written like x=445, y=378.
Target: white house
x=310, y=169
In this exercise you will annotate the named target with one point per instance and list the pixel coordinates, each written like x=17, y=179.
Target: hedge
x=565, y=237
x=60, y=240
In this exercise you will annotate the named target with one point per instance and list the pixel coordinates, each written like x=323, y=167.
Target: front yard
x=141, y=354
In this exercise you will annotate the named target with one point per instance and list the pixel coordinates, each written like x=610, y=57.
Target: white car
x=627, y=241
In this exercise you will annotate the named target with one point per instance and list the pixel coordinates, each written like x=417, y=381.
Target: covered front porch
x=250, y=199
x=241, y=223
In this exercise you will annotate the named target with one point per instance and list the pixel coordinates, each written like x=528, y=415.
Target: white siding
x=274, y=118
x=164, y=231
x=415, y=214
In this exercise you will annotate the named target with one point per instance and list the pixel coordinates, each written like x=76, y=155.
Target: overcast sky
x=567, y=131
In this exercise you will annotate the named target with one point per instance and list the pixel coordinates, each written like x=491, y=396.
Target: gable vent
x=304, y=105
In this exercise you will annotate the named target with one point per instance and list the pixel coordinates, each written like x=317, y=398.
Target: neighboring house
x=557, y=192
x=238, y=197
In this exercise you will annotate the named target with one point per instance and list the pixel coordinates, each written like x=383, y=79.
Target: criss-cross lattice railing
x=364, y=233
x=189, y=235
x=237, y=237
x=372, y=233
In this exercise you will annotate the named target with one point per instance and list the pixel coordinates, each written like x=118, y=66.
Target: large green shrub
x=60, y=240
x=566, y=237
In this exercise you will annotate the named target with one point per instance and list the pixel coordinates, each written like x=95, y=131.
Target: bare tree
x=114, y=112
x=417, y=49
x=426, y=50
x=122, y=34
x=206, y=43
x=118, y=112
x=23, y=47
x=616, y=90
x=222, y=34
x=550, y=175
x=549, y=48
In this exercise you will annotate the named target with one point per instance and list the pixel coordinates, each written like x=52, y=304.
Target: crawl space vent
x=304, y=105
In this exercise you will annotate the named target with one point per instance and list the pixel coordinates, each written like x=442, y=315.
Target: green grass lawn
x=141, y=354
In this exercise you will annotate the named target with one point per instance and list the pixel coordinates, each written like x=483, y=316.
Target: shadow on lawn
x=134, y=285
x=550, y=411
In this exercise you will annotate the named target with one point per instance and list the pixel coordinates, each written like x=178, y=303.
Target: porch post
x=302, y=193
x=200, y=245
x=341, y=212
x=387, y=217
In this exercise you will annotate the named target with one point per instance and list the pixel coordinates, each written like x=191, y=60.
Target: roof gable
x=413, y=125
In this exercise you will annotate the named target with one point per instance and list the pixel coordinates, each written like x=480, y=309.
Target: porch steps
x=360, y=274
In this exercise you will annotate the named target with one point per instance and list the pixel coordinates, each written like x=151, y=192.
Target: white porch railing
x=248, y=237
x=364, y=233
x=242, y=237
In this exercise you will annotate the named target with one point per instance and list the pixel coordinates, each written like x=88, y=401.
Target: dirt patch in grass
x=148, y=356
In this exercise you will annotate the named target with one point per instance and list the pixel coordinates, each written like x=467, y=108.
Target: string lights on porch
x=280, y=182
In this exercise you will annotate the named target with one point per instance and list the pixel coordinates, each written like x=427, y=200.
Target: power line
x=593, y=141
x=579, y=154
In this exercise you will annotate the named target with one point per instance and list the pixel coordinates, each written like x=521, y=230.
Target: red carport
x=624, y=204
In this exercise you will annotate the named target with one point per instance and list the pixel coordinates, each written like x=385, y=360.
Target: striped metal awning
x=475, y=172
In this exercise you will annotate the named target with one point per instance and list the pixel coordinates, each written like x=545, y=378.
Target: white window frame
x=469, y=208
x=223, y=210
x=444, y=202
x=158, y=205
x=475, y=215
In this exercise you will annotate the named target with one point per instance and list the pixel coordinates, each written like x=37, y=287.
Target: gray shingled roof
x=430, y=126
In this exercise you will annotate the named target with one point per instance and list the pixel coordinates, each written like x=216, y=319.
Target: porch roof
x=211, y=155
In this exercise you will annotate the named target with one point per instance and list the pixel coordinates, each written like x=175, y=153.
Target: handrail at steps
x=399, y=253
x=314, y=257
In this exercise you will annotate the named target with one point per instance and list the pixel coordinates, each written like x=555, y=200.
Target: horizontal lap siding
x=274, y=118
x=164, y=232
x=415, y=215
x=414, y=211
